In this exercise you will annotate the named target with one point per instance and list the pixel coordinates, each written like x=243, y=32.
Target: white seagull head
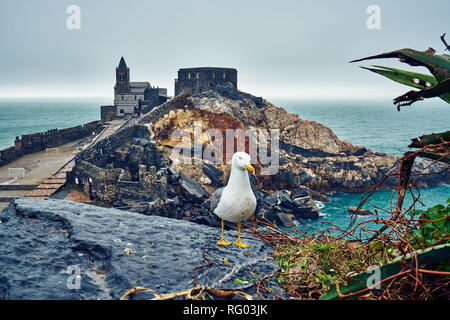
x=241, y=160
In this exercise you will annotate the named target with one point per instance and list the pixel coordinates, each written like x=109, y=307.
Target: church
x=129, y=96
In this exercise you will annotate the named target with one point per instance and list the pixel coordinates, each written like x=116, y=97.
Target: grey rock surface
x=192, y=190
x=44, y=242
x=278, y=207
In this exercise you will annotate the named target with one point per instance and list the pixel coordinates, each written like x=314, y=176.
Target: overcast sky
x=281, y=48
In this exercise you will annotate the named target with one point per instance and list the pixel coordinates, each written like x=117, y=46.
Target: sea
x=375, y=124
x=378, y=126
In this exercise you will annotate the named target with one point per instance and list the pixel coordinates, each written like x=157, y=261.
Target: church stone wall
x=107, y=113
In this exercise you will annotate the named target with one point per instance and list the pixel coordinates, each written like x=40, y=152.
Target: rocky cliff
x=140, y=167
x=310, y=154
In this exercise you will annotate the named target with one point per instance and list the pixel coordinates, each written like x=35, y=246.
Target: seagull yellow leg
x=238, y=242
x=222, y=241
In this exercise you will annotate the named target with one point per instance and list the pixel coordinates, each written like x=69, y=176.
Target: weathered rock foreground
x=114, y=250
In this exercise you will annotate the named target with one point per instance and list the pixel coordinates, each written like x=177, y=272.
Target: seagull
x=236, y=201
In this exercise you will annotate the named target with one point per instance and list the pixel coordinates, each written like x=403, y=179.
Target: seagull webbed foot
x=223, y=242
x=241, y=244
x=238, y=242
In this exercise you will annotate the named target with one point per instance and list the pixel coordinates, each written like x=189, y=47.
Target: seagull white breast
x=236, y=201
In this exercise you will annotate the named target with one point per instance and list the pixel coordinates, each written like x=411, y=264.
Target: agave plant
x=435, y=85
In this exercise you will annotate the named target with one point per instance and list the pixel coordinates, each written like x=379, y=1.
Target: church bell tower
x=122, y=78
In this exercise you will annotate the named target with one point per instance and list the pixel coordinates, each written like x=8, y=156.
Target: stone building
x=127, y=94
x=196, y=80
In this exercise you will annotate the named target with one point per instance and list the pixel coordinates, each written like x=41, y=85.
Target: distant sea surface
x=24, y=116
x=376, y=124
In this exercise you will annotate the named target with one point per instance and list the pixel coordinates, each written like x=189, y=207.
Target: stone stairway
x=52, y=184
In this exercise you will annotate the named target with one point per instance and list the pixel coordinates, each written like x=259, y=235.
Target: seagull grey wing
x=215, y=199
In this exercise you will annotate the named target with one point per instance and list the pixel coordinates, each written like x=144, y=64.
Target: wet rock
x=214, y=174
x=159, y=207
x=227, y=90
x=210, y=220
x=173, y=175
x=361, y=212
x=260, y=205
x=192, y=190
x=271, y=200
x=279, y=198
x=44, y=242
x=119, y=204
x=306, y=208
x=319, y=196
x=284, y=160
x=300, y=192
x=303, y=191
x=288, y=178
x=302, y=201
x=284, y=219
x=429, y=172
x=280, y=208
x=140, y=142
x=305, y=177
x=309, y=212
x=285, y=200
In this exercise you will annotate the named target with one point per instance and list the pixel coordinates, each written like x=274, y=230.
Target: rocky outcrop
x=283, y=206
x=310, y=154
x=192, y=190
x=125, y=166
x=360, y=212
x=156, y=165
x=46, y=243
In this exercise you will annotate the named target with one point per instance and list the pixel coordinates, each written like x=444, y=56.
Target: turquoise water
x=376, y=125
x=379, y=127
x=336, y=211
x=24, y=116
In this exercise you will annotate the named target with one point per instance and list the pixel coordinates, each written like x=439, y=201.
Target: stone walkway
x=51, y=185
x=39, y=169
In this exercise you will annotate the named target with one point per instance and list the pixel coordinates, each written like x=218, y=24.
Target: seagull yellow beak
x=250, y=168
